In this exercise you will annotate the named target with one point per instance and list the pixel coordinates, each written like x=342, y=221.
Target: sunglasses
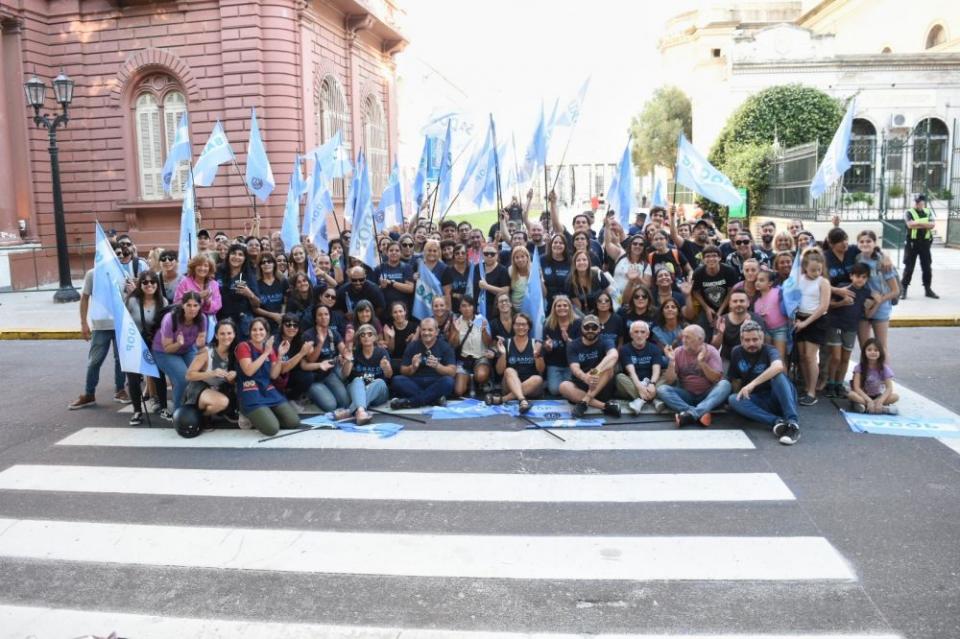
x=267, y=262
x=366, y=334
x=742, y=242
x=407, y=244
x=490, y=254
x=150, y=282
x=358, y=281
x=591, y=327
x=291, y=324
x=126, y=243
x=640, y=296
x=168, y=258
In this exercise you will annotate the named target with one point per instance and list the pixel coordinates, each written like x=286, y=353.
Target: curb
x=38, y=334
x=908, y=321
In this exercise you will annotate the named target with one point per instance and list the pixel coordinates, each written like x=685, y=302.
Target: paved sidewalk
x=33, y=315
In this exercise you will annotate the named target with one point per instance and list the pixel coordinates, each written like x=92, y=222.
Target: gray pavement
x=890, y=506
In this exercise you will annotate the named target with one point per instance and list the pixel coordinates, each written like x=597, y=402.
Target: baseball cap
x=590, y=319
x=920, y=198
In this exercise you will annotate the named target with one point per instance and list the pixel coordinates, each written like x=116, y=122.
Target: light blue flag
x=188, y=230
x=790, y=295
x=474, y=179
x=363, y=237
x=446, y=172
x=259, y=177
x=536, y=156
x=659, y=196
x=835, y=162
x=319, y=207
x=107, y=274
x=217, y=151
x=290, y=229
x=312, y=272
x=532, y=303
x=571, y=113
x=696, y=173
x=420, y=181
x=620, y=194
x=391, y=202
x=428, y=287
x=180, y=151
x=482, y=295
x=334, y=156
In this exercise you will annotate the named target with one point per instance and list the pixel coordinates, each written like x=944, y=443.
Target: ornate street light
x=36, y=91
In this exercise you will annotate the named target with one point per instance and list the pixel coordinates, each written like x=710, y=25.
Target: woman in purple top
x=181, y=333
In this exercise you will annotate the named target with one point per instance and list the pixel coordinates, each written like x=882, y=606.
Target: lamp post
x=36, y=94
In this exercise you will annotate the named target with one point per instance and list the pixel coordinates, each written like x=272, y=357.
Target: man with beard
x=691, y=248
x=768, y=231
x=592, y=359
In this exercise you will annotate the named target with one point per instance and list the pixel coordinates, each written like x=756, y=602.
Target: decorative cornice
x=152, y=58
x=884, y=61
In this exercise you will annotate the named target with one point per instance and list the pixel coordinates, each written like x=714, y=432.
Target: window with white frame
x=375, y=144
x=331, y=114
x=158, y=107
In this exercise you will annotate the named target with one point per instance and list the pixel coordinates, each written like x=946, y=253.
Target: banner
x=901, y=425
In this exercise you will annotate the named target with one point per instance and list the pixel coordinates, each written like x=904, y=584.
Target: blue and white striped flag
x=571, y=112
x=217, y=151
x=445, y=175
x=420, y=181
x=180, y=151
x=695, y=172
x=427, y=288
x=259, y=176
x=835, y=162
x=536, y=156
x=188, y=230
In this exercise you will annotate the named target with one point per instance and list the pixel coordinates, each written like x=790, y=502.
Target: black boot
x=903, y=291
x=931, y=294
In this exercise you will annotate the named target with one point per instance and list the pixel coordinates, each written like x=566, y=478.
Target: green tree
x=656, y=128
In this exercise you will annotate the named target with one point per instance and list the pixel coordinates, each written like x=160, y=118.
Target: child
x=845, y=315
x=872, y=390
x=768, y=306
x=884, y=284
x=810, y=323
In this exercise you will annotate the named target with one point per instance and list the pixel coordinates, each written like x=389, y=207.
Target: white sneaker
x=891, y=409
x=659, y=406
x=244, y=422
x=636, y=406
x=298, y=406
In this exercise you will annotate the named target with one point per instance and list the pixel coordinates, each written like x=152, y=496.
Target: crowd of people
x=670, y=312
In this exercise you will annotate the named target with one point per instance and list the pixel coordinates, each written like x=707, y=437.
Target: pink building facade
x=310, y=67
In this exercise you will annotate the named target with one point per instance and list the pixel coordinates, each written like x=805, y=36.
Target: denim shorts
x=841, y=337
x=778, y=334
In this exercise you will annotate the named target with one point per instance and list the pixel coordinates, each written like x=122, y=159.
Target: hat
x=203, y=233
x=590, y=319
x=701, y=222
x=920, y=198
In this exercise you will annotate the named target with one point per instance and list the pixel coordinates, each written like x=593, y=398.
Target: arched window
x=375, y=143
x=930, y=155
x=331, y=114
x=936, y=36
x=158, y=106
x=863, y=153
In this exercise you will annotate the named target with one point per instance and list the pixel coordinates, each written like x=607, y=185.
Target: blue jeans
x=174, y=366
x=363, y=395
x=99, y=347
x=422, y=391
x=556, y=375
x=679, y=399
x=329, y=394
x=767, y=407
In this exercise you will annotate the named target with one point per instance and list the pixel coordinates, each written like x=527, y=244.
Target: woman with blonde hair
x=519, y=275
x=201, y=279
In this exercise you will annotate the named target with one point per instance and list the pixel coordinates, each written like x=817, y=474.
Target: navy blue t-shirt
x=838, y=271
x=399, y=273
x=522, y=361
x=847, y=318
x=589, y=355
x=555, y=274
x=747, y=367
x=364, y=366
x=457, y=282
x=642, y=359
x=441, y=350
x=558, y=355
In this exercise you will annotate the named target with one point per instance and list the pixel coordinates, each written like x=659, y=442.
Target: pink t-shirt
x=767, y=306
x=874, y=382
x=689, y=373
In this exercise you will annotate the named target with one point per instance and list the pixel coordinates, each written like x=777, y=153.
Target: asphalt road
x=888, y=506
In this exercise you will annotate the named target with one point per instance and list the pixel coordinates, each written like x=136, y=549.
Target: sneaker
x=163, y=413
x=857, y=407
x=659, y=407
x=579, y=409
x=831, y=390
x=683, y=419
x=399, y=403
x=706, y=419
x=891, y=409
x=636, y=406
x=442, y=401
x=231, y=415
x=136, y=419
x=121, y=397
x=244, y=422
x=779, y=428
x=807, y=400
x=82, y=402
x=612, y=409
x=153, y=405
x=791, y=435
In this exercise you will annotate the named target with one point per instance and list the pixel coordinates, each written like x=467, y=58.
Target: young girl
x=810, y=324
x=767, y=306
x=872, y=390
x=883, y=283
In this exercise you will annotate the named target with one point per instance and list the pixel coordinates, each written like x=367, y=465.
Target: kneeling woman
x=260, y=402
x=520, y=362
x=470, y=339
x=213, y=372
x=368, y=370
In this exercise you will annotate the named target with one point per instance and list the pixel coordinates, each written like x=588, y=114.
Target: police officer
x=919, y=222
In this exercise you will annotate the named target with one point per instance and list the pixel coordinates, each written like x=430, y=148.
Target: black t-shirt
x=497, y=329
x=588, y=355
x=838, y=271
x=235, y=304
x=498, y=277
x=714, y=288
x=522, y=361
x=642, y=359
x=555, y=274
x=558, y=355
x=400, y=339
x=347, y=298
x=747, y=367
x=328, y=349
x=613, y=327
x=399, y=273
x=731, y=333
x=692, y=252
x=847, y=318
x=457, y=282
x=363, y=366
x=673, y=260
x=599, y=282
x=441, y=350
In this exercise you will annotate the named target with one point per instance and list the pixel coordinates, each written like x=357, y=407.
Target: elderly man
x=592, y=359
x=641, y=361
x=762, y=391
x=426, y=371
x=359, y=288
x=697, y=371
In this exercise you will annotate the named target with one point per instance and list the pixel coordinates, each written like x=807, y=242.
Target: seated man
x=426, y=371
x=762, y=392
x=640, y=360
x=591, y=360
x=697, y=370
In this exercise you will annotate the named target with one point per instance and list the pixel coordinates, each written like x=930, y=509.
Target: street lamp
x=36, y=90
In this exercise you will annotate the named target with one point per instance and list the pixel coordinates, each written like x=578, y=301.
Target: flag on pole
x=536, y=156
x=620, y=194
x=427, y=288
x=420, y=181
x=659, y=196
x=390, y=209
x=319, y=206
x=696, y=173
x=290, y=229
x=835, y=163
x=259, y=177
x=188, y=230
x=180, y=151
x=446, y=168
x=479, y=180
x=532, y=303
x=363, y=238
x=217, y=151
x=334, y=156
x=107, y=274
x=569, y=115
x=482, y=295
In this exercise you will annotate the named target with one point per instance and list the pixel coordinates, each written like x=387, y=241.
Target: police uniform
x=918, y=245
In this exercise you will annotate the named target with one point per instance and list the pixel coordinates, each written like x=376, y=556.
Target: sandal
x=524, y=406
x=366, y=419
x=493, y=399
x=342, y=414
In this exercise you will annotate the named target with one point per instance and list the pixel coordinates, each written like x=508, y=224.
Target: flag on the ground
x=290, y=229
x=835, y=163
x=427, y=288
x=659, y=195
x=696, y=173
x=259, y=177
x=390, y=208
x=319, y=206
x=620, y=194
x=532, y=303
x=446, y=175
x=420, y=181
x=217, y=151
x=363, y=237
x=188, y=230
x=180, y=151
